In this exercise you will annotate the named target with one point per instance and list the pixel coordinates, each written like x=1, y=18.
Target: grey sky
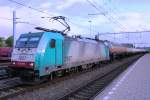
x=132, y=14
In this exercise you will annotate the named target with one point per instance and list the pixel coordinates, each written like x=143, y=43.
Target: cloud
x=64, y=4
x=6, y=11
x=5, y=21
x=46, y=5
x=132, y=21
x=67, y=3
x=33, y=17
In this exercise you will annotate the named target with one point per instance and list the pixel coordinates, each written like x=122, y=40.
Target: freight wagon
x=5, y=53
x=118, y=50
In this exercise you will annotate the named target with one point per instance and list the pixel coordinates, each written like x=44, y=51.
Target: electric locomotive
x=39, y=55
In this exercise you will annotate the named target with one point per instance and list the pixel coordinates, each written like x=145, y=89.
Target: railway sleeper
x=99, y=85
x=80, y=97
x=74, y=98
x=90, y=88
x=86, y=93
x=95, y=86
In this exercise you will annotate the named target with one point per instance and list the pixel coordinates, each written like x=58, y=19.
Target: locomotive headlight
x=31, y=64
x=13, y=63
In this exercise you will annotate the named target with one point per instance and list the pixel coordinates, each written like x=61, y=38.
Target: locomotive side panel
x=78, y=52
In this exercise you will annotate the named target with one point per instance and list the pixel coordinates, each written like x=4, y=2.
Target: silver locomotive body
x=84, y=51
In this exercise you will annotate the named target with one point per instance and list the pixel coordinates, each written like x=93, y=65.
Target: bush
x=1, y=42
x=9, y=41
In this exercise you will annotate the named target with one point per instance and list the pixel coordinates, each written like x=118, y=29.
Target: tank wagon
x=5, y=53
x=118, y=50
x=40, y=55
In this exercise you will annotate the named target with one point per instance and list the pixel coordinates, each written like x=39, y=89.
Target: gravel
x=57, y=90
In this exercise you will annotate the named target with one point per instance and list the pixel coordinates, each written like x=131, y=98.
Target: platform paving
x=132, y=84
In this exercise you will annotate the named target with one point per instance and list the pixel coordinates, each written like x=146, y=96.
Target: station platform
x=132, y=84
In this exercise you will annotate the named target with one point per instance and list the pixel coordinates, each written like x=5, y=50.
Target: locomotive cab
x=34, y=55
x=23, y=55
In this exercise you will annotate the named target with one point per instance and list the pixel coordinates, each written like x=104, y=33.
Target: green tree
x=9, y=41
x=1, y=42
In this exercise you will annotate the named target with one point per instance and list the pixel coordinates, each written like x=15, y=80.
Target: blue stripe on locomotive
x=46, y=57
x=105, y=52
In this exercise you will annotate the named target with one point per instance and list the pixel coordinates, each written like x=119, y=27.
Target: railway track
x=89, y=90
x=3, y=70
x=4, y=63
x=3, y=73
x=13, y=87
x=9, y=86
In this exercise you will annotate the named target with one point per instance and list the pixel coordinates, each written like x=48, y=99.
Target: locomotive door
x=56, y=52
x=53, y=52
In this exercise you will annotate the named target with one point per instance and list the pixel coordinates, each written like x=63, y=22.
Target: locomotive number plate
x=22, y=57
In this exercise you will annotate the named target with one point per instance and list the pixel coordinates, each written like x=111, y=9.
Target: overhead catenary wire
x=126, y=32
x=110, y=18
x=113, y=19
x=115, y=13
x=113, y=10
x=9, y=19
x=50, y=15
x=24, y=22
x=100, y=9
x=21, y=4
x=41, y=11
x=76, y=24
x=4, y=18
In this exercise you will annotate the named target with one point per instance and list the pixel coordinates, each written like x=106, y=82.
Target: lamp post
x=14, y=27
x=90, y=22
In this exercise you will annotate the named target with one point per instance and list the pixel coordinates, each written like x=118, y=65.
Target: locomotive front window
x=23, y=39
x=34, y=39
x=28, y=42
x=21, y=42
x=33, y=42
